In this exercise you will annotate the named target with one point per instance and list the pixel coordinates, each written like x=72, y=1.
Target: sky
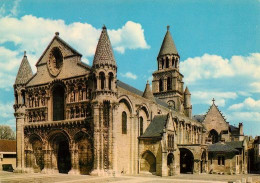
x=218, y=43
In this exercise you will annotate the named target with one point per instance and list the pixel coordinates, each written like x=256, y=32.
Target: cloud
x=33, y=34
x=130, y=36
x=14, y=10
x=204, y=97
x=249, y=104
x=6, y=110
x=129, y=75
x=214, y=66
x=10, y=9
x=244, y=117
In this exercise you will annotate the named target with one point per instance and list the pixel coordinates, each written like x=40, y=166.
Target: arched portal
x=60, y=145
x=148, y=162
x=213, y=134
x=85, y=153
x=186, y=161
x=170, y=163
x=58, y=103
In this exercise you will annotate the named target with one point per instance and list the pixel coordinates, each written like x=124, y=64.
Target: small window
x=124, y=122
x=23, y=97
x=167, y=62
x=169, y=83
x=111, y=76
x=141, y=126
x=102, y=80
x=160, y=85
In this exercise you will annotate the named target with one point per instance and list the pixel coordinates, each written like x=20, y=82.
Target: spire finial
x=57, y=33
x=147, y=82
x=168, y=27
x=213, y=100
x=24, y=53
x=104, y=27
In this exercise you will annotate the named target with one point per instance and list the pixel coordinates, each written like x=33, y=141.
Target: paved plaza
x=7, y=177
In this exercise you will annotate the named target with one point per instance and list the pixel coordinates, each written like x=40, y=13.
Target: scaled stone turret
x=187, y=102
x=104, y=53
x=24, y=72
x=147, y=92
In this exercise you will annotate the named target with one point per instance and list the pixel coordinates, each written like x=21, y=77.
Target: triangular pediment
x=66, y=49
x=215, y=120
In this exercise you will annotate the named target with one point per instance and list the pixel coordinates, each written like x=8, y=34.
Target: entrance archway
x=213, y=134
x=60, y=145
x=186, y=161
x=58, y=103
x=148, y=162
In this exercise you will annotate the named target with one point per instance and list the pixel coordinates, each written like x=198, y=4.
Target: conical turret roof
x=147, y=92
x=168, y=46
x=24, y=72
x=104, y=53
x=187, y=91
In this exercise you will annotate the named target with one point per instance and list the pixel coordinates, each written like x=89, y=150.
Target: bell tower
x=167, y=79
x=104, y=71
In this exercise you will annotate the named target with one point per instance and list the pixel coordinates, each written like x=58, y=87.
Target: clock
x=55, y=61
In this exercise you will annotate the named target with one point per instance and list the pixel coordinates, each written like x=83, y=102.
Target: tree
x=6, y=132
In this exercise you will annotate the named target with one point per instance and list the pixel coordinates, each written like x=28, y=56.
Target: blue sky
x=218, y=42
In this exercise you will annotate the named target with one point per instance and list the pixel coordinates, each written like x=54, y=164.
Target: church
x=79, y=119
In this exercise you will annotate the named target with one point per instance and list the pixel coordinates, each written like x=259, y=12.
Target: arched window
x=111, y=78
x=58, y=57
x=102, y=80
x=95, y=82
x=169, y=83
x=80, y=93
x=173, y=61
x=124, y=123
x=58, y=103
x=167, y=62
x=160, y=85
x=141, y=125
x=213, y=134
x=23, y=97
x=162, y=63
x=16, y=97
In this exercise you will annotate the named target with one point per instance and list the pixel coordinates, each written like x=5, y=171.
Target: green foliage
x=6, y=132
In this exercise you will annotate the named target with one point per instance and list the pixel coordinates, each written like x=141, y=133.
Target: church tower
x=104, y=102
x=167, y=80
x=23, y=76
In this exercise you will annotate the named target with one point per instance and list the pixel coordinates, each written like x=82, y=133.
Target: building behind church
x=80, y=119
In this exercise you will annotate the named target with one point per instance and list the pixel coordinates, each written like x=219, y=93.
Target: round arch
x=148, y=162
x=124, y=99
x=213, y=134
x=186, y=161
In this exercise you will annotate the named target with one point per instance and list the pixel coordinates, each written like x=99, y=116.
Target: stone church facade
x=76, y=119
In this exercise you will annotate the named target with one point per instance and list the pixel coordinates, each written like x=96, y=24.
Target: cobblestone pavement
x=7, y=177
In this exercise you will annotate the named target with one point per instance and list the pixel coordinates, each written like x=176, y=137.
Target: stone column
x=74, y=169
x=20, y=117
x=96, y=139
x=114, y=138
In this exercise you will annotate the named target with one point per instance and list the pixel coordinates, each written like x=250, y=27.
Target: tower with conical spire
x=167, y=80
x=23, y=76
x=187, y=103
x=104, y=68
x=104, y=100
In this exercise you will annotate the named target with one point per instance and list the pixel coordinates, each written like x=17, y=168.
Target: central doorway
x=186, y=161
x=60, y=145
x=64, y=161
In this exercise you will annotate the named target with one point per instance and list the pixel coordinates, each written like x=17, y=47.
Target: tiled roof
x=200, y=118
x=155, y=129
x=138, y=92
x=235, y=144
x=168, y=46
x=7, y=145
x=221, y=147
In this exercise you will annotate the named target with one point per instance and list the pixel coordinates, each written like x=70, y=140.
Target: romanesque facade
x=76, y=119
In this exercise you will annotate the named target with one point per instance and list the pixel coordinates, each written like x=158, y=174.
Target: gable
x=65, y=48
x=71, y=64
x=215, y=120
